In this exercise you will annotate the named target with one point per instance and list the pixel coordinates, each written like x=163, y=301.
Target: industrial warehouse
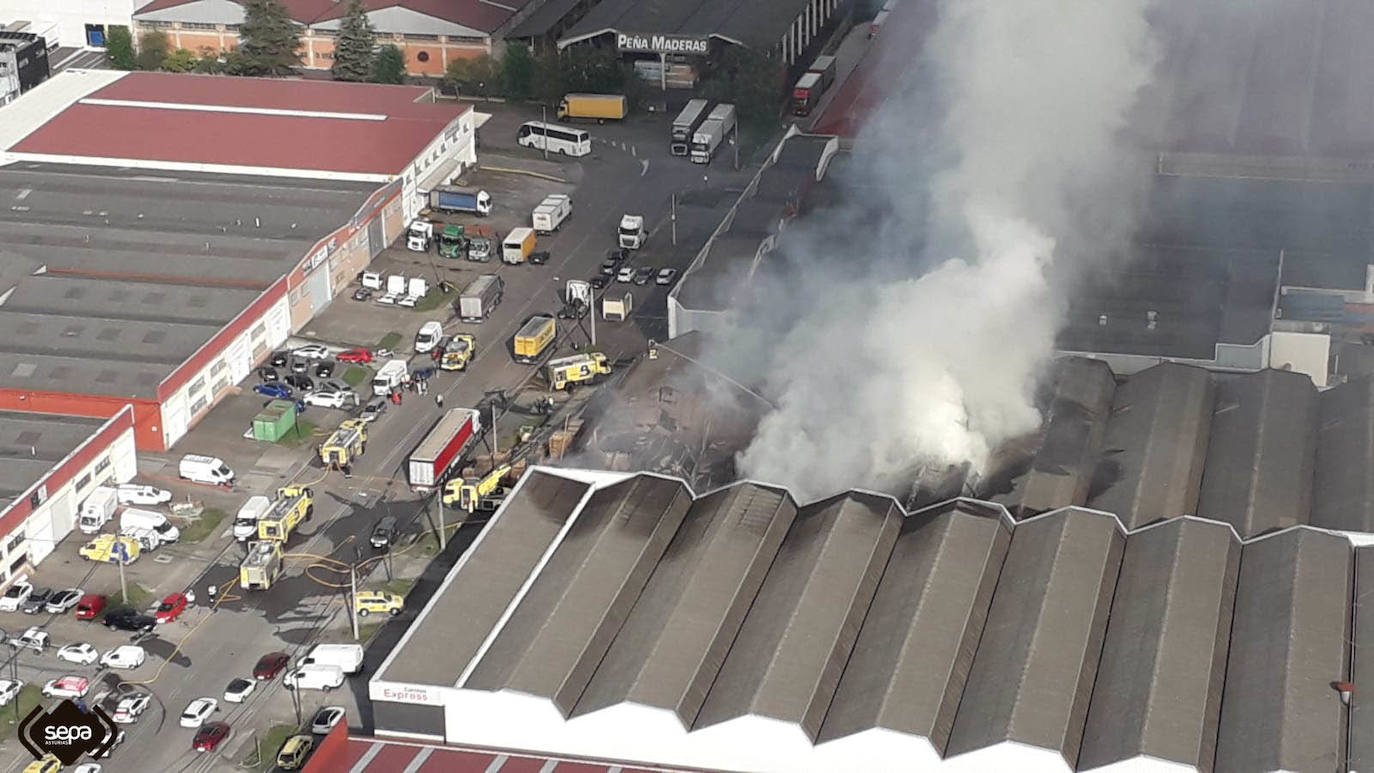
x=161, y=289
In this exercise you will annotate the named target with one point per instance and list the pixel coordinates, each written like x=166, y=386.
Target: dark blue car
x=274, y=389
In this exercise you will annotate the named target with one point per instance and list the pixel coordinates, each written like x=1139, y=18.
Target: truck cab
x=631, y=232
x=418, y=237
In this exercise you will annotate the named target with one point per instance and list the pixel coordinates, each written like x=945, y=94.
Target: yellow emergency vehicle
x=262, y=566
x=292, y=505
x=459, y=353
x=102, y=549
x=564, y=372
x=467, y=493
x=345, y=443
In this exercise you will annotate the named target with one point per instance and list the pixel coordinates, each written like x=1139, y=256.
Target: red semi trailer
x=441, y=449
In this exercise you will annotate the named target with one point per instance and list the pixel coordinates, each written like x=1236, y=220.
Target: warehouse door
x=41, y=540
x=62, y=512
x=239, y=357
x=174, y=419
x=376, y=237
x=317, y=285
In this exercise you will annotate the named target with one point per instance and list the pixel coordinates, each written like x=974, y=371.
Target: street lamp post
x=544, y=119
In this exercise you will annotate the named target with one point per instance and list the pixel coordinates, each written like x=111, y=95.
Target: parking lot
x=630, y=171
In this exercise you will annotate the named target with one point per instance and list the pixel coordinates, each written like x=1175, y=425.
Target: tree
x=209, y=61
x=152, y=49
x=180, y=60
x=517, y=72
x=269, y=43
x=119, y=47
x=353, y=58
x=547, y=86
x=478, y=76
x=390, y=66
x=750, y=80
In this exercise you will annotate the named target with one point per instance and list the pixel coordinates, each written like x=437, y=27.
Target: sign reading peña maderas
x=663, y=44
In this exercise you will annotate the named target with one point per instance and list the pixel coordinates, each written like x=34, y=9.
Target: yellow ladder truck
x=262, y=567
x=292, y=505
x=564, y=372
x=470, y=493
x=347, y=442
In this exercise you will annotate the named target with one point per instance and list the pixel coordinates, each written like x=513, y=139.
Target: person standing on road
x=439, y=400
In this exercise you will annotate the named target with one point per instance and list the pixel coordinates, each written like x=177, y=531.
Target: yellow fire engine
x=469, y=493
x=345, y=443
x=262, y=567
x=579, y=368
x=292, y=505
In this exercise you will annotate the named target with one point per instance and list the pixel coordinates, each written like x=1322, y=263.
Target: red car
x=209, y=736
x=90, y=606
x=171, y=608
x=354, y=355
x=270, y=665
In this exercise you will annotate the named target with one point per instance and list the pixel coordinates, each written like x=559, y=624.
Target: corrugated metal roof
x=1343, y=487
x=437, y=647
x=1261, y=454
x=1033, y=672
x=1061, y=472
x=1362, y=664
x=1151, y=466
x=787, y=659
x=1159, y=683
x=916, y=646
x=673, y=644
x=1288, y=644
x=561, y=628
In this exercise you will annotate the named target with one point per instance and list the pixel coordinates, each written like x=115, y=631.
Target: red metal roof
x=316, y=143
x=374, y=755
x=884, y=64
x=477, y=14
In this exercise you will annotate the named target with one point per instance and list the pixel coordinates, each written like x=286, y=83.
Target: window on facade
x=199, y=404
x=219, y=367
x=259, y=330
x=102, y=465
x=423, y=56
x=82, y=482
x=195, y=25
x=196, y=386
x=14, y=543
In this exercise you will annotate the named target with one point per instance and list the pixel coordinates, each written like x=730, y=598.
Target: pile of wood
x=561, y=440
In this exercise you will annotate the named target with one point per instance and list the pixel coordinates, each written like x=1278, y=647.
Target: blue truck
x=447, y=198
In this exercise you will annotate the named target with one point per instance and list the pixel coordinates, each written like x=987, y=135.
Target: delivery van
x=348, y=658
x=315, y=677
x=518, y=245
x=134, y=518
x=246, y=522
x=97, y=510
x=390, y=376
x=209, y=470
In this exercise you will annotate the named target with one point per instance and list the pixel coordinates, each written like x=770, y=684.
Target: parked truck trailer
x=686, y=123
x=596, y=107
x=534, y=338
x=443, y=447
x=447, y=198
x=551, y=212
x=480, y=296
x=717, y=126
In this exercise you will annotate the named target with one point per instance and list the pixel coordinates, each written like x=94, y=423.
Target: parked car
x=609, y=267
x=626, y=275
x=371, y=601
x=34, y=638
x=209, y=736
x=384, y=533
x=138, y=494
x=325, y=719
x=90, y=606
x=129, y=619
x=130, y=707
x=538, y=258
x=428, y=336
x=8, y=689
x=238, y=690
x=118, y=739
x=374, y=408
x=63, y=600
x=327, y=398
x=274, y=389
x=279, y=359
x=15, y=596
x=37, y=600
x=311, y=352
x=666, y=276
x=300, y=381
x=644, y=275
x=294, y=752
x=354, y=355
x=197, y=711
x=362, y=294
x=335, y=385
x=128, y=656
x=324, y=368
x=171, y=607
x=299, y=366
x=599, y=282
x=268, y=373
x=80, y=653
x=269, y=665
x=49, y=763
x=69, y=686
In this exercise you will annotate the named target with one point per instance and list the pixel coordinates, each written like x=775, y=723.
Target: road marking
x=419, y=759
x=497, y=763
x=363, y=761
x=549, y=765
x=23, y=193
x=645, y=167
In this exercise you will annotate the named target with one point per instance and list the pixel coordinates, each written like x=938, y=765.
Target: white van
x=147, y=539
x=314, y=678
x=97, y=510
x=348, y=658
x=206, y=469
x=246, y=522
x=390, y=376
x=134, y=518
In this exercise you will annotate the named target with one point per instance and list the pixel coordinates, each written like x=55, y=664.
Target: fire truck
x=292, y=505
x=564, y=372
x=262, y=567
x=347, y=442
x=472, y=494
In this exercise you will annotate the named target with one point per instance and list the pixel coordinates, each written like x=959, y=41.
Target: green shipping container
x=274, y=421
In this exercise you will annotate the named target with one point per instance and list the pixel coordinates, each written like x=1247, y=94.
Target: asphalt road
x=630, y=171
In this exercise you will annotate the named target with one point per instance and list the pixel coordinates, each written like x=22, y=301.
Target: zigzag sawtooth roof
x=847, y=634
x=1343, y=487
x=1362, y=665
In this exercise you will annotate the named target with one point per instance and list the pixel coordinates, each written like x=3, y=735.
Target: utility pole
x=121, y=555
x=673, y=218
x=352, y=603
x=495, y=439
x=735, y=142
x=296, y=704
x=443, y=530
x=544, y=119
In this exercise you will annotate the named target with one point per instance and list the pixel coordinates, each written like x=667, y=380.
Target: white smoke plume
x=1028, y=178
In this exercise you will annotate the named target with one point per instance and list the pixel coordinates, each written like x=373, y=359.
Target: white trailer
x=617, y=309
x=551, y=212
x=685, y=124
x=717, y=126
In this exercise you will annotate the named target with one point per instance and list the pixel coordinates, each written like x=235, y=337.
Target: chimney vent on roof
x=1102, y=320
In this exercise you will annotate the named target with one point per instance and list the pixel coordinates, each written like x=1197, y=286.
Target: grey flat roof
x=804, y=151
x=757, y=218
x=784, y=184
x=1261, y=454
x=1362, y=664
x=725, y=272
x=561, y=628
x=543, y=18
x=1156, y=443
x=1343, y=489
x=669, y=651
x=1033, y=673
x=760, y=24
x=453, y=627
x=31, y=443
x=1288, y=644
x=1158, y=688
x=914, y=651
x=786, y=661
x=144, y=269
x=1062, y=468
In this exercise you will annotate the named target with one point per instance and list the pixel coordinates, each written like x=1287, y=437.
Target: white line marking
x=497, y=763
x=419, y=759
x=230, y=109
x=23, y=193
x=366, y=759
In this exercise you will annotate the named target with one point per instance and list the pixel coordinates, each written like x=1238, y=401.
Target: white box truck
x=480, y=297
x=348, y=658
x=390, y=376
x=551, y=212
x=97, y=510
x=134, y=518
x=246, y=522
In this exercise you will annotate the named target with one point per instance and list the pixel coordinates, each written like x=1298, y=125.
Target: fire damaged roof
x=623, y=617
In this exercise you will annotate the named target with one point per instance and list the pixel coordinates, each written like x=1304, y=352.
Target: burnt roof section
x=671, y=648
x=726, y=270
x=916, y=646
x=1033, y=673
x=1159, y=683
x=438, y=647
x=1261, y=453
x=1343, y=488
x=1061, y=470
x=757, y=218
x=562, y=626
x=1151, y=466
x=1288, y=644
x=788, y=656
x=1362, y=664
x=806, y=151
x=785, y=185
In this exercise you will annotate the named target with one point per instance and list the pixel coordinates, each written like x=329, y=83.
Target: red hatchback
x=90, y=606
x=171, y=608
x=354, y=355
x=209, y=736
x=270, y=665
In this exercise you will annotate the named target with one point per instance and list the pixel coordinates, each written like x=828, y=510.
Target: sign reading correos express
x=663, y=44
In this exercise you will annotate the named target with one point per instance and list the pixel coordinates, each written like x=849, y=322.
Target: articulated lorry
x=447, y=198
x=596, y=107
x=712, y=132
x=685, y=125
x=443, y=447
x=480, y=296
